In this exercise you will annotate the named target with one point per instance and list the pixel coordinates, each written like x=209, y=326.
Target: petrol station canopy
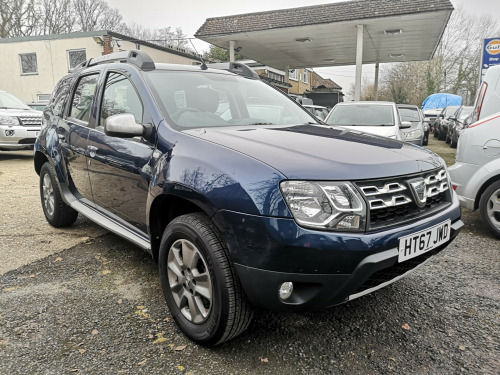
x=329, y=34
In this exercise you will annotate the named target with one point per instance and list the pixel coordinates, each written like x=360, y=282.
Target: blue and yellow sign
x=490, y=53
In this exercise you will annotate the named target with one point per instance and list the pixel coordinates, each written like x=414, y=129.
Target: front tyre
x=199, y=282
x=56, y=211
x=489, y=208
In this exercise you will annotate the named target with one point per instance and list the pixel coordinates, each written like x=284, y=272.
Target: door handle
x=92, y=150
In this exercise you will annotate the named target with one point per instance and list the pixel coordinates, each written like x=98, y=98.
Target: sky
x=189, y=15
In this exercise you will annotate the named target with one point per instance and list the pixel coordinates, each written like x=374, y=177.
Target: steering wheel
x=177, y=115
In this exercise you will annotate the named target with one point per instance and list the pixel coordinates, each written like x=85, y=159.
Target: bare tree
x=55, y=16
x=17, y=18
x=95, y=15
x=454, y=68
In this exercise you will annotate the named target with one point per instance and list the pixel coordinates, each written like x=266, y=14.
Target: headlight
x=414, y=134
x=325, y=205
x=9, y=120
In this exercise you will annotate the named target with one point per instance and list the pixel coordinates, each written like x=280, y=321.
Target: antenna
x=203, y=65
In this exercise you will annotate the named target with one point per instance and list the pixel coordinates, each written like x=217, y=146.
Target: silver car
x=380, y=118
x=416, y=133
x=475, y=175
x=19, y=124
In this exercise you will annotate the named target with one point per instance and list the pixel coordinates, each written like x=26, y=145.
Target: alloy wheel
x=493, y=208
x=190, y=281
x=48, y=195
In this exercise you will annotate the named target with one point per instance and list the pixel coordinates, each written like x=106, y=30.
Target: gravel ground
x=97, y=308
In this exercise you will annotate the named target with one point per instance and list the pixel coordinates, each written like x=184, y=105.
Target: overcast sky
x=191, y=14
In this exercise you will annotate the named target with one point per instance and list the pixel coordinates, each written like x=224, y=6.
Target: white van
x=488, y=99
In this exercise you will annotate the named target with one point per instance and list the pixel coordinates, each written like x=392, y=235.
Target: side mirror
x=405, y=125
x=123, y=125
x=441, y=115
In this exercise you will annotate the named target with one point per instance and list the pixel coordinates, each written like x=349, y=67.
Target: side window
x=83, y=97
x=120, y=97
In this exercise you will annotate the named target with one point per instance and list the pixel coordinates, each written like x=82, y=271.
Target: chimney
x=107, y=49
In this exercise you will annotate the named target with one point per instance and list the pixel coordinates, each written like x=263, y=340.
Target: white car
x=475, y=175
x=19, y=124
x=380, y=118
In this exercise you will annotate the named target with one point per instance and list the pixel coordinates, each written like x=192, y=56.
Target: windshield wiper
x=261, y=123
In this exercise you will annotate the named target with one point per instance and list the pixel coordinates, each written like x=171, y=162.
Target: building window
x=305, y=77
x=28, y=63
x=293, y=74
x=75, y=57
x=43, y=97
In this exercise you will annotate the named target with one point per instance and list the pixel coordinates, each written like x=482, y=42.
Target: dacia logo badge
x=419, y=191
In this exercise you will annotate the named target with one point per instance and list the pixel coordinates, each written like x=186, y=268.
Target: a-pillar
x=359, y=62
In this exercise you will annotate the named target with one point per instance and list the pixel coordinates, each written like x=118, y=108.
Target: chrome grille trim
x=30, y=120
x=395, y=200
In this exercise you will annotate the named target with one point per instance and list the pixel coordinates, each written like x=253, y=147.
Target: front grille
x=396, y=270
x=30, y=120
x=396, y=200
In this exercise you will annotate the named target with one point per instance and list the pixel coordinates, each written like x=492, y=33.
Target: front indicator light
x=325, y=205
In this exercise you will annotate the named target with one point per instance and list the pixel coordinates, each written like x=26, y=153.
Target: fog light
x=9, y=133
x=286, y=290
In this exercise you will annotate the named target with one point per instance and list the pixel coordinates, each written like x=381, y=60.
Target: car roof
x=366, y=102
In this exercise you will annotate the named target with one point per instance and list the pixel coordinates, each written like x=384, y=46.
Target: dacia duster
x=242, y=197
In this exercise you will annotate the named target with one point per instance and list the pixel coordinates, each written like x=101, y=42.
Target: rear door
x=119, y=168
x=73, y=131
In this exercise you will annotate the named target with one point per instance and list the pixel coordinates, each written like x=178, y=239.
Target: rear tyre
x=448, y=139
x=435, y=133
x=56, y=211
x=489, y=208
x=453, y=144
x=425, y=141
x=199, y=281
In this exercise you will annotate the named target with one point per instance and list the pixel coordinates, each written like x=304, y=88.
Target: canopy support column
x=231, y=50
x=359, y=62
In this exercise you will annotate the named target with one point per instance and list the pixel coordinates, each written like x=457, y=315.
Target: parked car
x=415, y=134
x=434, y=104
x=442, y=121
x=37, y=106
x=318, y=111
x=476, y=173
x=488, y=98
x=258, y=209
x=381, y=118
x=457, y=123
x=19, y=124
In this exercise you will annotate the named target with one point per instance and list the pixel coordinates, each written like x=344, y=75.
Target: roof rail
x=237, y=68
x=134, y=57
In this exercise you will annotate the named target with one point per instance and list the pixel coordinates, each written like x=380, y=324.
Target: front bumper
x=17, y=137
x=326, y=268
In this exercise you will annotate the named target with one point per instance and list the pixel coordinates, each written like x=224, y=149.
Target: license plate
x=33, y=134
x=418, y=243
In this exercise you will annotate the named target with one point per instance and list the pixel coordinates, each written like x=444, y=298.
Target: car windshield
x=192, y=99
x=9, y=101
x=466, y=111
x=361, y=115
x=409, y=114
x=450, y=111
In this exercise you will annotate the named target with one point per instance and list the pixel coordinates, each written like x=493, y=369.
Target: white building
x=32, y=66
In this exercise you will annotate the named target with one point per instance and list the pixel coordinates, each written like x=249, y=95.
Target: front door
x=119, y=168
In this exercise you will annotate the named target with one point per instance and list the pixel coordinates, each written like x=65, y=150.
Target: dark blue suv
x=242, y=197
